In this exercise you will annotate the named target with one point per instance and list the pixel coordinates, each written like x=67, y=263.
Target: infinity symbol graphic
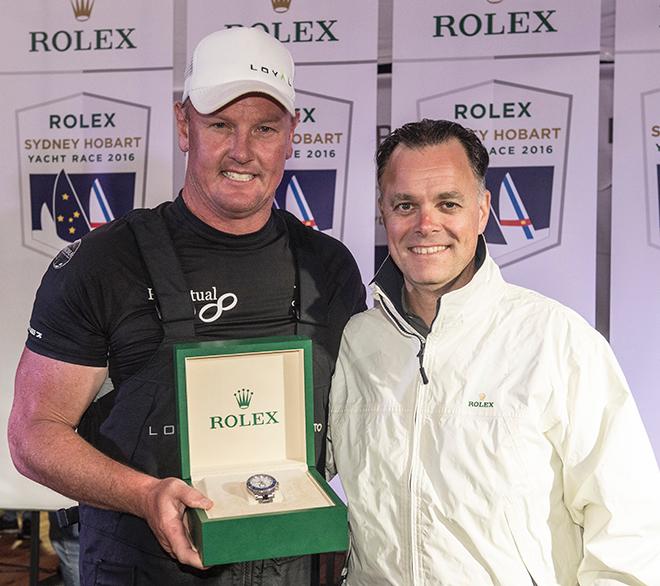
x=219, y=306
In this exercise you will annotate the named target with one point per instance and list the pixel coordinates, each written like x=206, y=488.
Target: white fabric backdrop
x=70, y=93
x=635, y=279
x=143, y=76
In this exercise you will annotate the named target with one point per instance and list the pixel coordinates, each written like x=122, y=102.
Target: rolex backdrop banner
x=458, y=29
x=86, y=35
x=86, y=108
x=635, y=274
x=524, y=76
x=329, y=180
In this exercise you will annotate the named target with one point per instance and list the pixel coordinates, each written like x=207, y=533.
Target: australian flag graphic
x=309, y=195
x=76, y=203
x=521, y=201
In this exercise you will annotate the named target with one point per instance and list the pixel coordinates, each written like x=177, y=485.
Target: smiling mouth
x=242, y=177
x=428, y=249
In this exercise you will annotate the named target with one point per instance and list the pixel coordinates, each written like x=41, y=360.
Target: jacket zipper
x=417, y=577
x=420, y=355
x=412, y=485
x=422, y=342
x=417, y=424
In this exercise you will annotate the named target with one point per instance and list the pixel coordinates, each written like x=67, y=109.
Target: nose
x=240, y=149
x=428, y=220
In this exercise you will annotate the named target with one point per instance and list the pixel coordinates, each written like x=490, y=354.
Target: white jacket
x=523, y=458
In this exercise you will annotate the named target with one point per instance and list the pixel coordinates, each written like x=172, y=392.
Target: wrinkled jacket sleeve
x=330, y=468
x=611, y=478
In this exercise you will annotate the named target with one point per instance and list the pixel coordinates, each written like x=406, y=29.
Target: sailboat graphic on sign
x=70, y=220
x=296, y=203
x=99, y=209
x=514, y=221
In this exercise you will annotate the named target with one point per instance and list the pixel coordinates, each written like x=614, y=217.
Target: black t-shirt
x=100, y=308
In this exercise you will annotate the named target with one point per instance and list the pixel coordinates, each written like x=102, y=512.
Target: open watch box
x=245, y=410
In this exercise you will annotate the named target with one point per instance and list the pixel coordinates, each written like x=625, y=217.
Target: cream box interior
x=246, y=414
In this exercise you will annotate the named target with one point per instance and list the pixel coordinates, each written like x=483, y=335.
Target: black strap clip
x=67, y=517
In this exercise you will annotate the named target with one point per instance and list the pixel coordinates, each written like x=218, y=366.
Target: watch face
x=261, y=483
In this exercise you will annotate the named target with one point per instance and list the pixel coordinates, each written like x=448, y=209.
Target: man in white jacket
x=484, y=434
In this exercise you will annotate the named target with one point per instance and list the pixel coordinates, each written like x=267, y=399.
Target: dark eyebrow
x=398, y=197
x=395, y=198
x=266, y=121
x=455, y=195
x=271, y=121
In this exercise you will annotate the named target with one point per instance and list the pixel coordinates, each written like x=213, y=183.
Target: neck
x=422, y=303
x=223, y=222
x=424, y=300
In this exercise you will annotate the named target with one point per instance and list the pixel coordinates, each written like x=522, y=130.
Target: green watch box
x=245, y=408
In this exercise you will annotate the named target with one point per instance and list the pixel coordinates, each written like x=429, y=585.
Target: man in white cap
x=218, y=262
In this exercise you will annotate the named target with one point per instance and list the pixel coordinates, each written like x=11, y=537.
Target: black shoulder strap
x=171, y=290
x=312, y=289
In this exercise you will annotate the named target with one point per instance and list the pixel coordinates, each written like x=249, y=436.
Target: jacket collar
x=483, y=290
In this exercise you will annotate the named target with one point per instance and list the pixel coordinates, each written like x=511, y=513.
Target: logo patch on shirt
x=66, y=254
x=35, y=333
x=482, y=403
x=209, y=312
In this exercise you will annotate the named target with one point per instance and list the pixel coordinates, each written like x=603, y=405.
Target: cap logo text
x=267, y=71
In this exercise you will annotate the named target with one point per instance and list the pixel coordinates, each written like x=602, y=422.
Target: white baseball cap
x=232, y=62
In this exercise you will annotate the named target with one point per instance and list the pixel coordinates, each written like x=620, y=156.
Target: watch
x=262, y=487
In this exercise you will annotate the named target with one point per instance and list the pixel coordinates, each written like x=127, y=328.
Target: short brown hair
x=429, y=132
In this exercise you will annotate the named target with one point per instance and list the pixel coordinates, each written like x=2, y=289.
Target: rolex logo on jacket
x=482, y=402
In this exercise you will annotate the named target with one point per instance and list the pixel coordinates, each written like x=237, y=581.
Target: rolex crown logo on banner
x=82, y=9
x=281, y=5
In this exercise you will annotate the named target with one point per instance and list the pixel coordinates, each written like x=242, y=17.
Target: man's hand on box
x=165, y=509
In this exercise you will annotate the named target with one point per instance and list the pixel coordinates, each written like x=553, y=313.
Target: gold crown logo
x=482, y=396
x=82, y=9
x=280, y=5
